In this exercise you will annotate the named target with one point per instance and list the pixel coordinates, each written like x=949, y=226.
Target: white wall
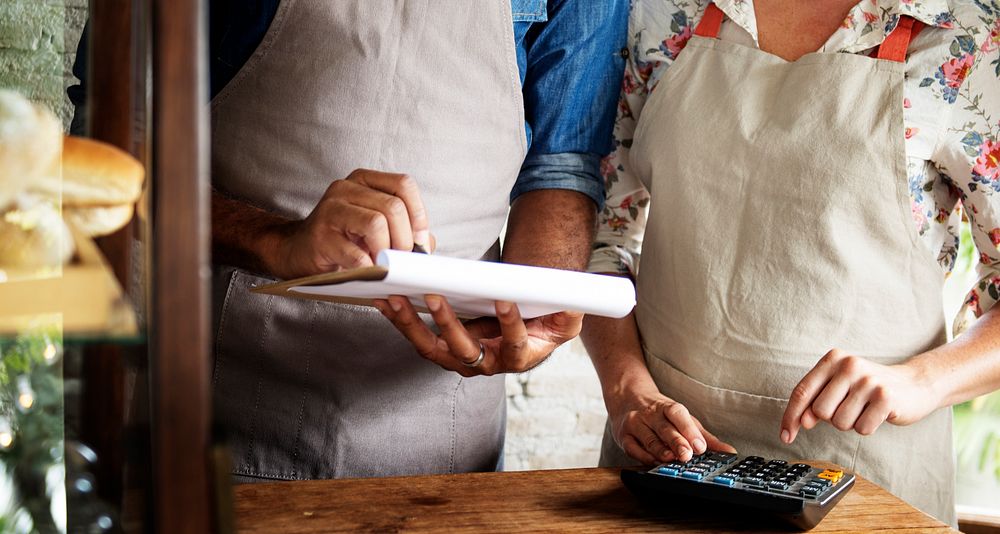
x=555, y=413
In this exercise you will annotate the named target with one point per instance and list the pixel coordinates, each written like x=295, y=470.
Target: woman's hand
x=851, y=392
x=653, y=428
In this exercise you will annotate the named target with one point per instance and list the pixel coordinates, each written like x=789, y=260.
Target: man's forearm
x=243, y=235
x=550, y=228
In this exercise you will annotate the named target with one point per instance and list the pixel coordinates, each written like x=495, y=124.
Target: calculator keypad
x=754, y=473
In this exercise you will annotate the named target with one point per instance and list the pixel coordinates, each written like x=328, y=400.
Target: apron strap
x=893, y=48
x=710, y=23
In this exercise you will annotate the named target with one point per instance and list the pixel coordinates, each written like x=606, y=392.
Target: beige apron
x=780, y=228
x=317, y=390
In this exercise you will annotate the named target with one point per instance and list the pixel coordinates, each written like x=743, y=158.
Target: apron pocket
x=750, y=422
x=257, y=392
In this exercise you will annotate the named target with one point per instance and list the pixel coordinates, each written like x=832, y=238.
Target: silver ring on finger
x=479, y=360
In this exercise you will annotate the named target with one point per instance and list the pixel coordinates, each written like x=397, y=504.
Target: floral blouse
x=951, y=113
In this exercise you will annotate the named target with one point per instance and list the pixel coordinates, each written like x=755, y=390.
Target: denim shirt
x=570, y=61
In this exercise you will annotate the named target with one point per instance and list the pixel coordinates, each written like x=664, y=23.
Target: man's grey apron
x=779, y=229
x=431, y=89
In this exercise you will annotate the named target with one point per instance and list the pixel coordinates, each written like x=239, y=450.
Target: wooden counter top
x=572, y=500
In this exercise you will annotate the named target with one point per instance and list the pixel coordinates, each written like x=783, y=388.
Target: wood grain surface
x=573, y=500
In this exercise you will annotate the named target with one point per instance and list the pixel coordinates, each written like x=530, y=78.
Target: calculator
x=798, y=493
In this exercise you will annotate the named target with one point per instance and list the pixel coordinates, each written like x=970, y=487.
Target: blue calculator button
x=668, y=471
x=693, y=475
x=725, y=481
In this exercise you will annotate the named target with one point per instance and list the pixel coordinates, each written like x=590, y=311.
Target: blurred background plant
x=32, y=481
x=977, y=423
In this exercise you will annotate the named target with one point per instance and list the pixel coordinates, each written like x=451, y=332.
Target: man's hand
x=357, y=218
x=851, y=392
x=653, y=428
x=509, y=344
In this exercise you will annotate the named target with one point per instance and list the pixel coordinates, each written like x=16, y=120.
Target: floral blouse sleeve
x=621, y=224
x=968, y=152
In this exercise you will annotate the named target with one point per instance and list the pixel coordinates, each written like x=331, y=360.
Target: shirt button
x=623, y=53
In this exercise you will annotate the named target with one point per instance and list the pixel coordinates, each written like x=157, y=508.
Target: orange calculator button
x=832, y=475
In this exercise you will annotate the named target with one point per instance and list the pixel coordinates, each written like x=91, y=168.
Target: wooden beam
x=978, y=523
x=115, y=81
x=112, y=87
x=181, y=321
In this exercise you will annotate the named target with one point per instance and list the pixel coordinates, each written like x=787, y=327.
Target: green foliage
x=977, y=423
x=31, y=423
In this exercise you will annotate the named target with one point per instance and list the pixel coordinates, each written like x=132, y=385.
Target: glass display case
x=104, y=351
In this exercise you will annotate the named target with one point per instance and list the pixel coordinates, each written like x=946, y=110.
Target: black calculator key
x=753, y=482
x=821, y=481
x=777, y=484
x=801, y=467
x=810, y=491
x=724, y=457
x=754, y=459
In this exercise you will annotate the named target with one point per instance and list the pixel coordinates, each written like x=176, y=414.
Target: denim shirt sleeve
x=572, y=70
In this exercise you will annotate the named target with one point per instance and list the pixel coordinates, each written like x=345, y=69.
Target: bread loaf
x=33, y=235
x=96, y=221
x=93, y=174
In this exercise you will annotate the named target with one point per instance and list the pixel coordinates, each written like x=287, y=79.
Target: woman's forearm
x=614, y=347
x=967, y=367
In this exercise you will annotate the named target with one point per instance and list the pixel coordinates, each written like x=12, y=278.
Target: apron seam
x=310, y=347
x=901, y=188
x=513, y=73
x=653, y=355
x=454, y=425
x=256, y=405
x=219, y=352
